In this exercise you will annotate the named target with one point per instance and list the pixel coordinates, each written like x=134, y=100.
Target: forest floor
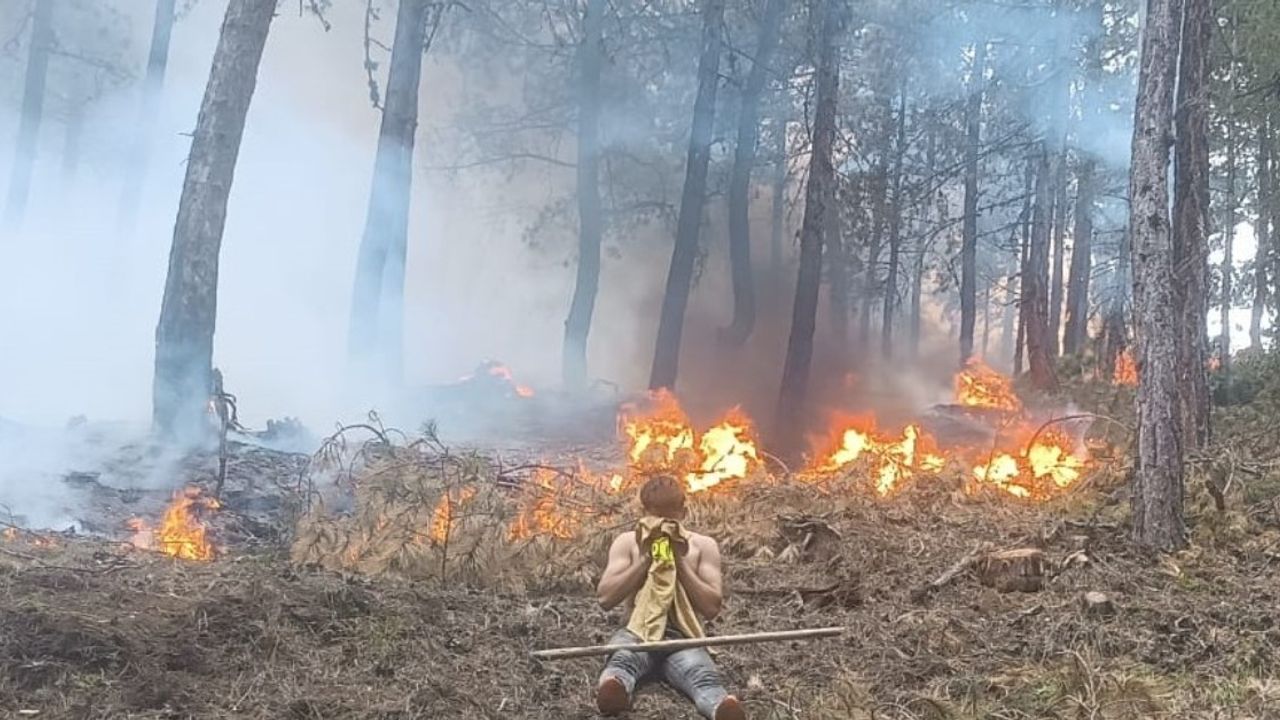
x=92, y=627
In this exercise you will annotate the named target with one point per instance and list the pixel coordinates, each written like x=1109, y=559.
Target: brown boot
x=730, y=709
x=612, y=697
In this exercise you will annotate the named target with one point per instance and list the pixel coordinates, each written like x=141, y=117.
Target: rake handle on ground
x=686, y=643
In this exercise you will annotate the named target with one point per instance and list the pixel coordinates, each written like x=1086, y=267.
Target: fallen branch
x=686, y=643
x=964, y=564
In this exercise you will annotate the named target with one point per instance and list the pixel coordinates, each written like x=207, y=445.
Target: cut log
x=1020, y=570
x=1097, y=604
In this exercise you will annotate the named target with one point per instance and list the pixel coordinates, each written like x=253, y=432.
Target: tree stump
x=1020, y=570
x=1096, y=604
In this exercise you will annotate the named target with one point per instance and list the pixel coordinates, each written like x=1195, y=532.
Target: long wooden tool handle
x=684, y=644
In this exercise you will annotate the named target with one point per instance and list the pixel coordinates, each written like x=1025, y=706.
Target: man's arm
x=702, y=581
x=623, y=574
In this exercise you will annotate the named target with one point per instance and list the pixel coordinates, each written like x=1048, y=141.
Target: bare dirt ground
x=93, y=629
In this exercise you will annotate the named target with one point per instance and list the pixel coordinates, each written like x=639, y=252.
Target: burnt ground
x=90, y=628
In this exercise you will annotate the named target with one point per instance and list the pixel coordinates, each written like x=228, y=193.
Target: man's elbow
x=712, y=607
x=606, y=598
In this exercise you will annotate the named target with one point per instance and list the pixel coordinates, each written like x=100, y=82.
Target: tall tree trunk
x=375, y=334
x=135, y=170
x=778, y=208
x=1262, y=227
x=969, y=243
x=986, y=320
x=1024, y=266
x=1191, y=221
x=837, y=252
x=24, y=154
x=895, y=231
x=1262, y=258
x=1077, y=327
x=744, y=159
x=917, y=283
x=1116, y=310
x=870, y=274
x=1227, y=269
x=819, y=196
x=666, y=355
x=184, y=334
x=1035, y=285
x=590, y=217
x=1056, y=281
x=1157, y=497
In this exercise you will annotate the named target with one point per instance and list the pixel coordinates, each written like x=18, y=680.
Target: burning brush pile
x=417, y=509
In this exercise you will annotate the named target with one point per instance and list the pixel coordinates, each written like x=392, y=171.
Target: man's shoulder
x=700, y=540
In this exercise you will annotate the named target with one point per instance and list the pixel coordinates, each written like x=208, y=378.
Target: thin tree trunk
x=375, y=335
x=24, y=154
x=1116, y=310
x=666, y=356
x=135, y=171
x=895, y=232
x=1056, y=281
x=870, y=274
x=819, y=197
x=1264, y=256
x=1077, y=327
x=1157, y=497
x=986, y=320
x=1036, y=296
x=184, y=334
x=969, y=244
x=917, y=282
x=1227, y=269
x=1024, y=267
x=837, y=252
x=577, y=326
x=778, y=209
x=1191, y=221
x=1261, y=258
x=744, y=159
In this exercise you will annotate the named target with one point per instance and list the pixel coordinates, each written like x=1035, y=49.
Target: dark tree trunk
x=1191, y=221
x=1262, y=259
x=744, y=159
x=969, y=244
x=1035, y=285
x=837, y=253
x=778, y=209
x=870, y=274
x=819, y=196
x=1157, y=497
x=986, y=320
x=577, y=326
x=666, y=355
x=375, y=343
x=1076, y=331
x=917, y=283
x=135, y=171
x=1116, y=310
x=24, y=154
x=895, y=233
x=184, y=335
x=1227, y=269
x=1024, y=267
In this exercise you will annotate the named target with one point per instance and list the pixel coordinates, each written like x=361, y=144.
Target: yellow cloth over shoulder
x=662, y=598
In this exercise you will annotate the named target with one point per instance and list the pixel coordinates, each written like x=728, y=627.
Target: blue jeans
x=691, y=671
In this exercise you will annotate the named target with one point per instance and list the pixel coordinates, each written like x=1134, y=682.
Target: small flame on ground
x=445, y=515
x=503, y=372
x=181, y=534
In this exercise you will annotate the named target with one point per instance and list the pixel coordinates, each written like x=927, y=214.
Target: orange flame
x=445, y=515
x=503, y=372
x=181, y=534
x=892, y=459
x=663, y=440
x=980, y=386
x=1126, y=371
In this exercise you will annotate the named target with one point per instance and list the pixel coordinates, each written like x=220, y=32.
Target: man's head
x=663, y=496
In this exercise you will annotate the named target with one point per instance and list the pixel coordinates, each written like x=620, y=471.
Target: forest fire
x=445, y=515
x=1126, y=371
x=181, y=534
x=1019, y=460
x=502, y=372
x=662, y=439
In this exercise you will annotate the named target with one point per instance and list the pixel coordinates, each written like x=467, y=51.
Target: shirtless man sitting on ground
x=697, y=566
